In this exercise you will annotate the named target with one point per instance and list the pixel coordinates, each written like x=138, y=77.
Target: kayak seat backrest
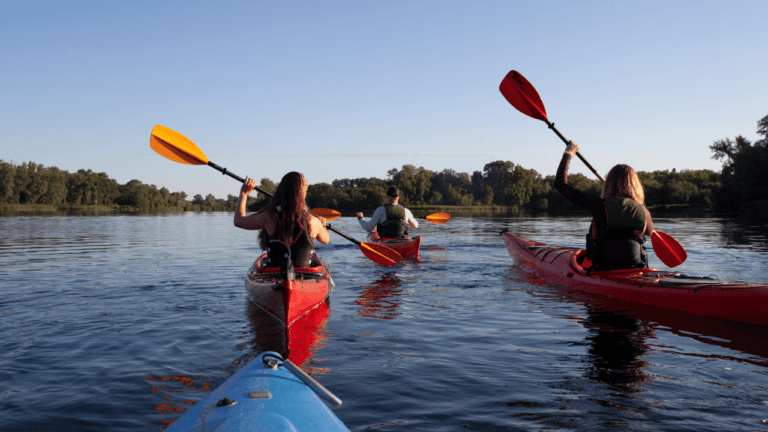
x=314, y=269
x=317, y=269
x=583, y=260
x=394, y=240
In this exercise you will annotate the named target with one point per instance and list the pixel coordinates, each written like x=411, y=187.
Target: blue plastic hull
x=264, y=399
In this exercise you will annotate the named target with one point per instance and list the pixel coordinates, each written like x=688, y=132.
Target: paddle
x=435, y=218
x=438, y=218
x=669, y=251
x=374, y=251
x=521, y=94
x=179, y=148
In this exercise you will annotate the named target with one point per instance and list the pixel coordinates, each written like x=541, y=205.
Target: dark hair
x=393, y=192
x=292, y=217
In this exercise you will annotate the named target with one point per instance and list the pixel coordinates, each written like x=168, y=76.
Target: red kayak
x=736, y=301
x=406, y=247
x=287, y=296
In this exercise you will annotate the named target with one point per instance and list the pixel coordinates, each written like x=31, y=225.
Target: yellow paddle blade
x=380, y=254
x=176, y=146
x=328, y=214
x=438, y=218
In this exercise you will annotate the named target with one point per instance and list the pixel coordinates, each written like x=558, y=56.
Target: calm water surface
x=121, y=323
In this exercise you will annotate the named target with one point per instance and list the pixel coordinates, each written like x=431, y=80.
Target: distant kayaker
x=390, y=220
x=286, y=220
x=620, y=220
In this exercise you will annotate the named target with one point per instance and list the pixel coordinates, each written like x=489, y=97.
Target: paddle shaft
x=353, y=240
x=236, y=177
x=554, y=129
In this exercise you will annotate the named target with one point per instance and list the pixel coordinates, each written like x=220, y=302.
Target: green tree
x=7, y=173
x=415, y=184
x=744, y=177
x=496, y=175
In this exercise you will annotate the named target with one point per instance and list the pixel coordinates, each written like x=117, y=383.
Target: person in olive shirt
x=390, y=220
x=620, y=220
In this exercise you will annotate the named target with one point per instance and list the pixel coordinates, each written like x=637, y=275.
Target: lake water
x=118, y=323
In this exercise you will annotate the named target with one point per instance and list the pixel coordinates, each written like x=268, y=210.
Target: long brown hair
x=622, y=181
x=292, y=215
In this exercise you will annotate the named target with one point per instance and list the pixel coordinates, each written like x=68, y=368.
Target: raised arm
x=253, y=221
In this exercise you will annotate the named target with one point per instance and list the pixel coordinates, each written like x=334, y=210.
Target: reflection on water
x=380, y=298
x=739, y=337
x=745, y=232
x=617, y=344
x=621, y=333
x=298, y=342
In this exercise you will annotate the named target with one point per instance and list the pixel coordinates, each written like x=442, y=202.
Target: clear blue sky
x=345, y=89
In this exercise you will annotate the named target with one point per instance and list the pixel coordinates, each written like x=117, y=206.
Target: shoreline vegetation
x=501, y=188
x=756, y=208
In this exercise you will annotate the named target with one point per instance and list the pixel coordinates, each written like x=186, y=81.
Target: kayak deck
x=406, y=247
x=262, y=396
x=287, y=296
x=737, y=301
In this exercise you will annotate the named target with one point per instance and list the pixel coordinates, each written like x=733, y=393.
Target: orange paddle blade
x=380, y=254
x=438, y=218
x=328, y=214
x=668, y=249
x=176, y=146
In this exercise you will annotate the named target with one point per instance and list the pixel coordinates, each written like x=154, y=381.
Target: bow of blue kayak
x=262, y=396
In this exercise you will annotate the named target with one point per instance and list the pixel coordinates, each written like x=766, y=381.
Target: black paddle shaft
x=236, y=177
x=353, y=240
x=554, y=129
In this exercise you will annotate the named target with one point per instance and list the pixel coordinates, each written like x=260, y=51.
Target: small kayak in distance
x=267, y=394
x=406, y=247
x=736, y=301
x=287, y=295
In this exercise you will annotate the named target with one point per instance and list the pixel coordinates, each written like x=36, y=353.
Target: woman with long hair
x=620, y=220
x=286, y=223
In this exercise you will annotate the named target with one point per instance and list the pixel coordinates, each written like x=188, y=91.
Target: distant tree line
x=502, y=183
x=744, y=179
x=31, y=183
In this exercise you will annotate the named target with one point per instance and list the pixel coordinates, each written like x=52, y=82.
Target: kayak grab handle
x=313, y=384
x=270, y=360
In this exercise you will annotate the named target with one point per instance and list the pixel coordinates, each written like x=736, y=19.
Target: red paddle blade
x=380, y=254
x=521, y=94
x=668, y=249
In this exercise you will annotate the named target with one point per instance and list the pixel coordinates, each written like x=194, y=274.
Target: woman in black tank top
x=286, y=220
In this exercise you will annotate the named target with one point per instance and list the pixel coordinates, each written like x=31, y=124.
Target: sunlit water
x=122, y=322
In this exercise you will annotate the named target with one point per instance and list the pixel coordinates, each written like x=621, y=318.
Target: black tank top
x=300, y=252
